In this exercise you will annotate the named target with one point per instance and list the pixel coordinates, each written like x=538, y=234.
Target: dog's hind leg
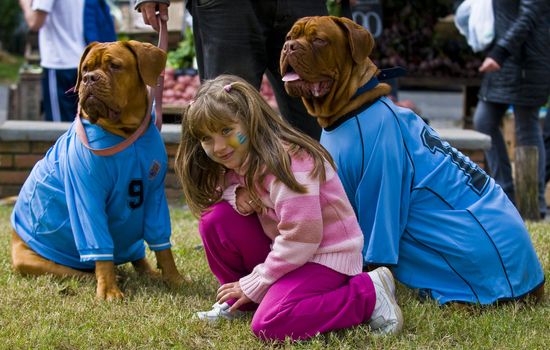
x=27, y=262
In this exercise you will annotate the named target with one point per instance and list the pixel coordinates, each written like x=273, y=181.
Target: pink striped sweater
x=318, y=226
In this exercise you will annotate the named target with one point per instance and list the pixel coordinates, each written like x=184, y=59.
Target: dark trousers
x=245, y=38
x=59, y=104
x=546, y=133
x=487, y=119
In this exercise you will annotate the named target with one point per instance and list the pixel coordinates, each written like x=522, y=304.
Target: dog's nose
x=289, y=46
x=90, y=78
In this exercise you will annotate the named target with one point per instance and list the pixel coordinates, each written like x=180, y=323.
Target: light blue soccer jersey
x=77, y=207
x=446, y=227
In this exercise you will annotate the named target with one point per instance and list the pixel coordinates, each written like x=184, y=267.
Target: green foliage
x=334, y=8
x=48, y=313
x=123, y=37
x=184, y=55
x=10, y=19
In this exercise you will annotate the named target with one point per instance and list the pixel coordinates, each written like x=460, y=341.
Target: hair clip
x=191, y=102
x=227, y=87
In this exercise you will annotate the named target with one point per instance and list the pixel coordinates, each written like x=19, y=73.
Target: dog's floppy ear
x=84, y=54
x=360, y=39
x=150, y=60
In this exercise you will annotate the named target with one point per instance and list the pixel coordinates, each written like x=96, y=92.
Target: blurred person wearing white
x=64, y=29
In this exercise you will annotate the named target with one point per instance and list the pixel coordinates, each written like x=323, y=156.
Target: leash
x=156, y=91
x=163, y=45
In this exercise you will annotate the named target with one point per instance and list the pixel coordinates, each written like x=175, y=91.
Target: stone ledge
x=465, y=139
x=25, y=130
x=28, y=130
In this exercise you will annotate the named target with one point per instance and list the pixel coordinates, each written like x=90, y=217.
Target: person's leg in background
x=59, y=104
x=239, y=43
x=197, y=40
x=277, y=21
x=68, y=99
x=546, y=137
x=228, y=41
x=529, y=133
x=46, y=104
x=487, y=119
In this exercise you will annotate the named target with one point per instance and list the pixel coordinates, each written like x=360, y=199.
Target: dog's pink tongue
x=291, y=76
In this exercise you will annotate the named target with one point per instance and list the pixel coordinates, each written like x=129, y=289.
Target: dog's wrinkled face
x=106, y=73
x=112, y=81
x=309, y=63
x=324, y=60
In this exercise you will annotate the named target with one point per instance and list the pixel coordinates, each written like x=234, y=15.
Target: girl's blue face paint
x=242, y=138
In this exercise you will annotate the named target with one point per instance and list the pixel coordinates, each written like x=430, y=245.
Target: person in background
x=516, y=73
x=245, y=38
x=278, y=231
x=64, y=29
x=546, y=137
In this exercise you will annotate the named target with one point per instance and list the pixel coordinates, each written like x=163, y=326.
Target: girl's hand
x=244, y=202
x=232, y=291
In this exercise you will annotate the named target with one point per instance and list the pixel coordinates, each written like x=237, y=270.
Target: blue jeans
x=245, y=38
x=487, y=119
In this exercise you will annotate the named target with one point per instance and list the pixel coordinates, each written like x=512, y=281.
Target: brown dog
x=78, y=211
x=324, y=61
x=423, y=207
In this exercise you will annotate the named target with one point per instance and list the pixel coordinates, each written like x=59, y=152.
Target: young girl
x=279, y=232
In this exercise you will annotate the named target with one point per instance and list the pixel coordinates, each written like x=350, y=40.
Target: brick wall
x=23, y=143
x=16, y=160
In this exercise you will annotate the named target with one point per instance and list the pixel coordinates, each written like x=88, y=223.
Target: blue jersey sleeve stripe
x=96, y=256
x=163, y=245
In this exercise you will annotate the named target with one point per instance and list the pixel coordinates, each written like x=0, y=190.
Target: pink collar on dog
x=109, y=151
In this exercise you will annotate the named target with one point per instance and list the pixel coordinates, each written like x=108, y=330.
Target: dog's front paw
x=109, y=293
x=107, y=288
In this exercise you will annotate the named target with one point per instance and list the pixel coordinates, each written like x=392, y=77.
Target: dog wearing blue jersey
x=81, y=213
x=426, y=210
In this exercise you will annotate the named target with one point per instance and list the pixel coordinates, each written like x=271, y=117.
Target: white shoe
x=386, y=317
x=218, y=312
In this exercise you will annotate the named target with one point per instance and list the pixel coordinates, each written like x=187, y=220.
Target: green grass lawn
x=47, y=313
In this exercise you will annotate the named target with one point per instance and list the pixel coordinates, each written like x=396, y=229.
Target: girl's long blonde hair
x=218, y=103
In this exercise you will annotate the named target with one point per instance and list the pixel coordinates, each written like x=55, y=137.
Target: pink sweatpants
x=309, y=300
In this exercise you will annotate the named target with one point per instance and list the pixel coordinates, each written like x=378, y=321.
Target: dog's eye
x=319, y=42
x=115, y=65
